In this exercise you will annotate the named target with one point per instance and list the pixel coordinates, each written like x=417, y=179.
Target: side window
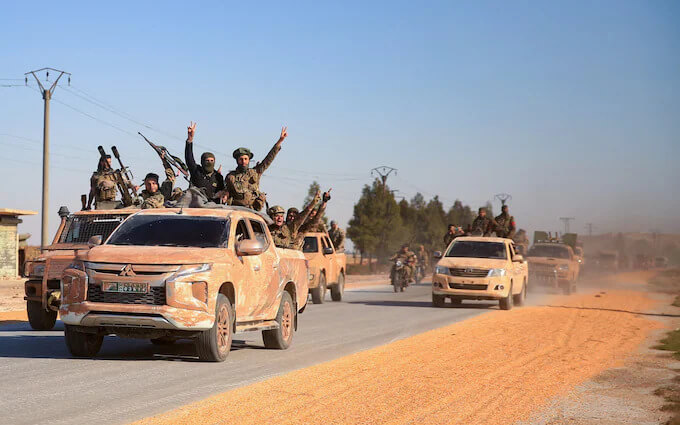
x=328, y=242
x=324, y=244
x=258, y=231
x=241, y=231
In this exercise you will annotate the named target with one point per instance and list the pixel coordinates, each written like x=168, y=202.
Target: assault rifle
x=173, y=161
x=123, y=178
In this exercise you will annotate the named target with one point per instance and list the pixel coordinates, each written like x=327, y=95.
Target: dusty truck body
x=327, y=267
x=169, y=274
x=480, y=268
x=42, y=289
x=553, y=264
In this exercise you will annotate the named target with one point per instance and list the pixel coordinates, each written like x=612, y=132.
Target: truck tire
x=319, y=293
x=506, y=303
x=438, y=300
x=81, y=344
x=214, y=344
x=39, y=318
x=338, y=289
x=282, y=337
x=519, y=298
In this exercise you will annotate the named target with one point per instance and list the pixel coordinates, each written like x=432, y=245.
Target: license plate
x=127, y=287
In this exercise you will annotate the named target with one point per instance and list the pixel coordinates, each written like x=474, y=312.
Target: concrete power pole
x=383, y=171
x=566, y=221
x=46, y=95
x=589, y=226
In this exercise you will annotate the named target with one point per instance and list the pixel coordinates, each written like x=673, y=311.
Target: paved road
x=132, y=379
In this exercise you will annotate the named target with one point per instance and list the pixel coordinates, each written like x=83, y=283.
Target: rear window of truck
x=552, y=251
x=477, y=249
x=172, y=230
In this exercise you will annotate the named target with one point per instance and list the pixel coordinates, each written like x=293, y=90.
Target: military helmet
x=293, y=210
x=276, y=209
x=152, y=176
x=242, y=151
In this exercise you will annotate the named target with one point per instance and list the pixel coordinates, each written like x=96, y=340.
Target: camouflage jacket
x=281, y=236
x=408, y=258
x=423, y=258
x=338, y=238
x=505, y=226
x=311, y=225
x=244, y=185
x=152, y=200
x=448, y=237
x=104, y=184
x=483, y=225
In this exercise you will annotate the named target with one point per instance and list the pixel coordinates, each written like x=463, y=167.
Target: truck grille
x=541, y=269
x=470, y=286
x=155, y=296
x=468, y=272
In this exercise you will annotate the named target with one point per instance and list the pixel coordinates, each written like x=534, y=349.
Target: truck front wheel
x=214, y=344
x=282, y=337
x=39, y=318
x=507, y=302
x=81, y=344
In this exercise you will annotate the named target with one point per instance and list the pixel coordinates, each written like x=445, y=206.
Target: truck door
x=266, y=267
x=517, y=268
x=247, y=293
x=329, y=259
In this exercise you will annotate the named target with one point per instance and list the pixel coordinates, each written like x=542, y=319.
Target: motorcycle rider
x=408, y=260
x=423, y=261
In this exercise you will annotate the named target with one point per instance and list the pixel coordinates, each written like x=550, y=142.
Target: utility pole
x=566, y=221
x=503, y=197
x=46, y=95
x=589, y=226
x=383, y=171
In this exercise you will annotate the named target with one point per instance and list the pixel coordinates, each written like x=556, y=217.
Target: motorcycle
x=398, y=276
x=419, y=273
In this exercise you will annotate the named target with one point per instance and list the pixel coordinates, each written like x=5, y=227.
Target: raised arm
x=304, y=214
x=267, y=161
x=189, y=149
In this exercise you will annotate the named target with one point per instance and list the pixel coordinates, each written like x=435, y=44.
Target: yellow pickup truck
x=168, y=274
x=480, y=268
x=42, y=293
x=326, y=267
x=555, y=265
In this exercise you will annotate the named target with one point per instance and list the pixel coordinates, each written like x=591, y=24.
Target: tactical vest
x=103, y=190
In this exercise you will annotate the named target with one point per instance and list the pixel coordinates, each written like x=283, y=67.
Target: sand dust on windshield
x=492, y=369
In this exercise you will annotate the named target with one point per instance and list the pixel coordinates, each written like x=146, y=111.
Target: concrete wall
x=9, y=243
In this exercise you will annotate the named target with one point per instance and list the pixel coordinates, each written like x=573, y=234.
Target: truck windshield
x=553, y=251
x=172, y=230
x=477, y=249
x=80, y=228
x=311, y=244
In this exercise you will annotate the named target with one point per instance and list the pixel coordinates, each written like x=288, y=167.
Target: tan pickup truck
x=480, y=268
x=201, y=274
x=44, y=273
x=326, y=267
x=553, y=264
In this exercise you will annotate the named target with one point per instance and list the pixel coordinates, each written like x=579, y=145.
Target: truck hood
x=154, y=254
x=475, y=263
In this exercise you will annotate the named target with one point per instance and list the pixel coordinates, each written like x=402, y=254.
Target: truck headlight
x=496, y=273
x=563, y=267
x=442, y=270
x=36, y=269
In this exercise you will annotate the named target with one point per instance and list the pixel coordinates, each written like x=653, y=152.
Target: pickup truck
x=480, y=268
x=41, y=290
x=191, y=273
x=554, y=264
x=326, y=267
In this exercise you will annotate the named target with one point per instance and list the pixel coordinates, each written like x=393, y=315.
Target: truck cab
x=480, y=268
x=42, y=289
x=326, y=267
x=191, y=273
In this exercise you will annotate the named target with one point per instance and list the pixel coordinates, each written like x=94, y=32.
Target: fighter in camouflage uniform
x=285, y=233
x=243, y=184
x=337, y=237
x=102, y=184
x=151, y=195
x=482, y=224
x=408, y=259
x=505, y=224
x=312, y=222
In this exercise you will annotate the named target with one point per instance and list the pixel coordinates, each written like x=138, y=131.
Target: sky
x=571, y=107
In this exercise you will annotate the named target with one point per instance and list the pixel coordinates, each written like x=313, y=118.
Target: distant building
x=9, y=241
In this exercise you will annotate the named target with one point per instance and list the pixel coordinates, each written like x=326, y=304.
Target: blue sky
x=572, y=107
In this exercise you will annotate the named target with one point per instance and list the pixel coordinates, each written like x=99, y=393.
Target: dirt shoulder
x=496, y=368
x=12, y=295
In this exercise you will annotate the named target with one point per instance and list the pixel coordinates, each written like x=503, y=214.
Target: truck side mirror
x=328, y=251
x=94, y=241
x=437, y=254
x=249, y=247
x=518, y=259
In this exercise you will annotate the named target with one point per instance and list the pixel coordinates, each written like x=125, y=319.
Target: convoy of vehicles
x=168, y=274
x=42, y=289
x=552, y=262
x=480, y=268
x=327, y=267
